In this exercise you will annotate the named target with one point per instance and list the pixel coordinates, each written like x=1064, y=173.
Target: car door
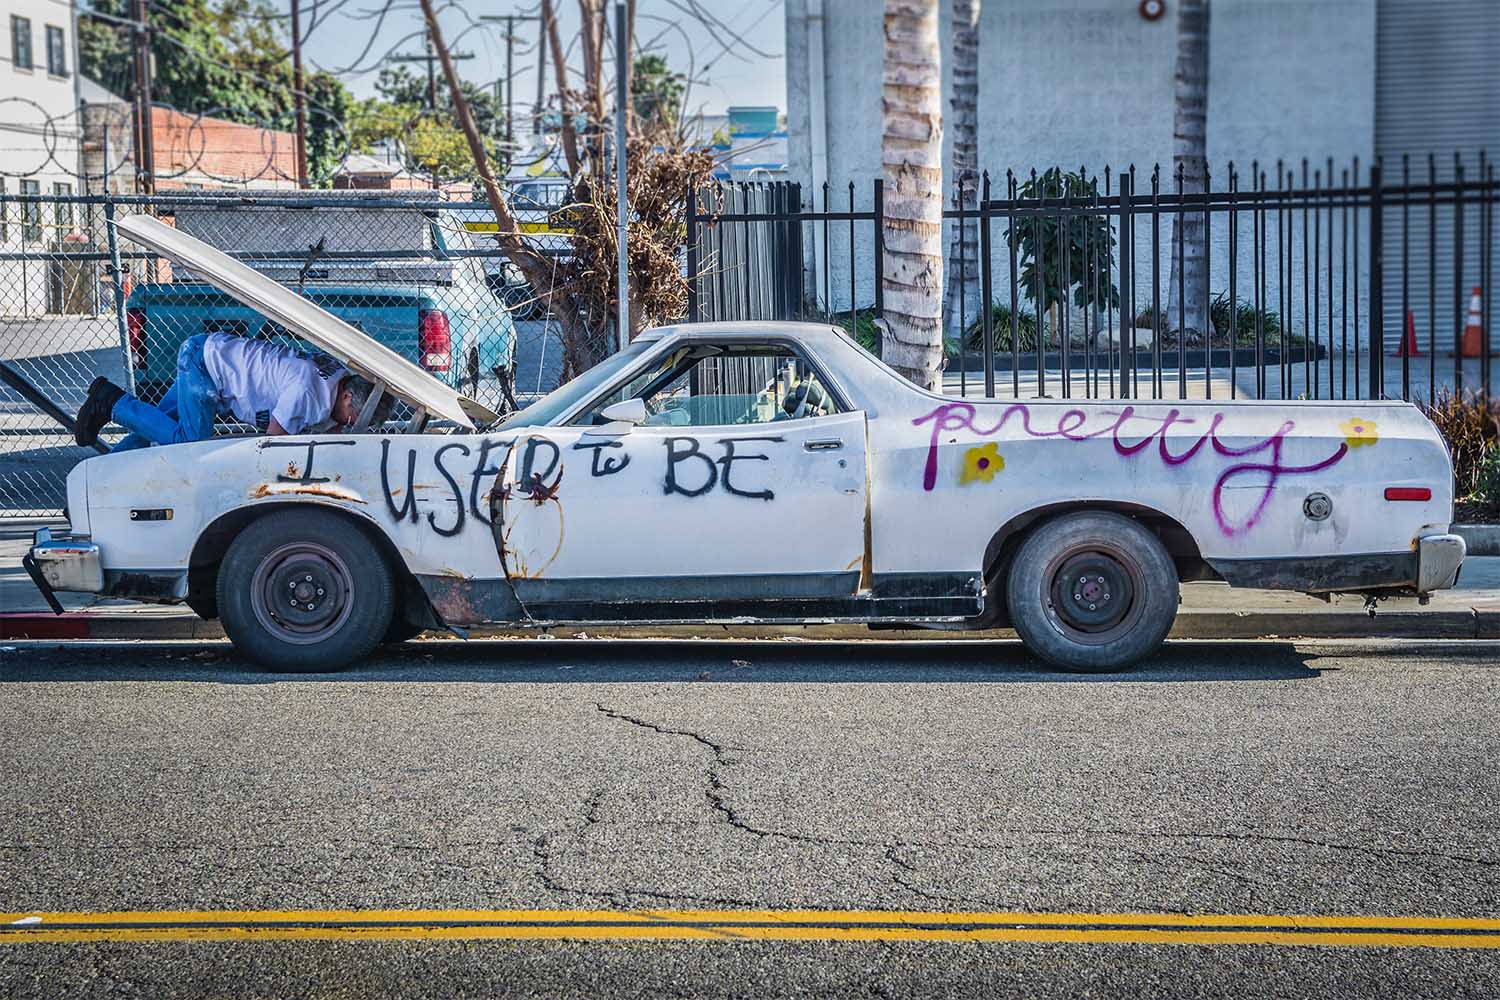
x=693, y=519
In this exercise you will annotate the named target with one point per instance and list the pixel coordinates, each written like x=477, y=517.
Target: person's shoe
x=96, y=411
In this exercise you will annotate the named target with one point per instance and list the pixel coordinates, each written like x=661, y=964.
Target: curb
x=1481, y=622
x=1481, y=539
x=100, y=625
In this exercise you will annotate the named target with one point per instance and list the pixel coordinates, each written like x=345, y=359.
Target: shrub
x=1470, y=423
x=1486, y=495
x=1219, y=315
x=862, y=329
x=1000, y=318
x=1244, y=321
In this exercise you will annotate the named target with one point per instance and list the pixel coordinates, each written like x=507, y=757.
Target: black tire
x=342, y=587
x=1092, y=592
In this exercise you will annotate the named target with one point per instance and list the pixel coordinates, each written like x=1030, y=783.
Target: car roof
x=811, y=334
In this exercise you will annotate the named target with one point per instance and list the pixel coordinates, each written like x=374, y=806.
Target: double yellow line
x=751, y=925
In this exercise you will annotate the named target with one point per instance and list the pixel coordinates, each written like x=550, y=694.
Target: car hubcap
x=301, y=592
x=1093, y=595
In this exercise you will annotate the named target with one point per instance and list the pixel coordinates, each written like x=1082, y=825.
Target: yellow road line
x=752, y=925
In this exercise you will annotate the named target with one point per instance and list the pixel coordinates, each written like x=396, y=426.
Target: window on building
x=57, y=52
x=62, y=212
x=20, y=42
x=31, y=213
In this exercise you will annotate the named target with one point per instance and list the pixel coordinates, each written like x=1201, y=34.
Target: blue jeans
x=185, y=413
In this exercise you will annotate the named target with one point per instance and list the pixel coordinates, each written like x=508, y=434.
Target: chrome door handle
x=827, y=444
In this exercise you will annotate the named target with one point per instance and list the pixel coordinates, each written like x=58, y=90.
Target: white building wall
x=1089, y=83
x=39, y=141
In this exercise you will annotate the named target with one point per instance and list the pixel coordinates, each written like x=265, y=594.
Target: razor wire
x=110, y=126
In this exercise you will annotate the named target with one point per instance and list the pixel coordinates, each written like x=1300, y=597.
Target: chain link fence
x=419, y=274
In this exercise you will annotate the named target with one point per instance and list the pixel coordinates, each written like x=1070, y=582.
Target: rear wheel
x=304, y=590
x=1092, y=592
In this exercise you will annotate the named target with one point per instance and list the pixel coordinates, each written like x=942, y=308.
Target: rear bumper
x=1432, y=563
x=1439, y=558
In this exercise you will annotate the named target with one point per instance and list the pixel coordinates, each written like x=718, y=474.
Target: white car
x=751, y=473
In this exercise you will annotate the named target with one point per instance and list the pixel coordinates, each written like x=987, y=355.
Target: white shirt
x=259, y=381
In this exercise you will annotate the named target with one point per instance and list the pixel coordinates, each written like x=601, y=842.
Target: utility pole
x=298, y=94
x=430, y=58
x=541, y=78
x=510, y=78
x=431, y=78
x=510, y=81
x=622, y=234
x=145, y=158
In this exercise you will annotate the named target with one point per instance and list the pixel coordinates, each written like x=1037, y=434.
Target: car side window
x=711, y=385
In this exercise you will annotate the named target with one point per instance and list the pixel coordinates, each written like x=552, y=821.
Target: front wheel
x=304, y=590
x=1092, y=592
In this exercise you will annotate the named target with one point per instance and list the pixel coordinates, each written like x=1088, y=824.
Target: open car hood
x=318, y=326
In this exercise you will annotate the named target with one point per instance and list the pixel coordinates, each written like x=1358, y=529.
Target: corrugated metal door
x=1437, y=94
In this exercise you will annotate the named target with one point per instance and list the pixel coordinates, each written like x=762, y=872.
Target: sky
x=726, y=70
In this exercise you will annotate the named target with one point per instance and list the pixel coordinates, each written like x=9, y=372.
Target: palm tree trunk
x=962, y=266
x=912, y=156
x=1190, y=161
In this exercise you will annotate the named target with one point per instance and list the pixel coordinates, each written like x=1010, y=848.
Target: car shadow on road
x=533, y=661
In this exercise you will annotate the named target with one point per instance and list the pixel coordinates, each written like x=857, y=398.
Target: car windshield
x=559, y=401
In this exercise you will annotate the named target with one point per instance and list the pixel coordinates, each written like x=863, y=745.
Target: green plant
x=1486, y=495
x=1470, y=423
x=1244, y=321
x=1244, y=317
x=1000, y=321
x=1090, y=246
x=862, y=329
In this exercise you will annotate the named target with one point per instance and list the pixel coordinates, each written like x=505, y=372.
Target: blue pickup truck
x=404, y=276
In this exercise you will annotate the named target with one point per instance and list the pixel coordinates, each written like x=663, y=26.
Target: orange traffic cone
x=1473, y=327
x=1409, y=348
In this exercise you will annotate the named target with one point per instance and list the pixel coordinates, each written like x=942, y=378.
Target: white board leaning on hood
x=359, y=353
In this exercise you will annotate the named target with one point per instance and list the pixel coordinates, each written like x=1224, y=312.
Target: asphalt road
x=629, y=781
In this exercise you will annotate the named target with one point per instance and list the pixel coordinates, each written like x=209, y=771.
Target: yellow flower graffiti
x=1359, y=431
x=981, y=464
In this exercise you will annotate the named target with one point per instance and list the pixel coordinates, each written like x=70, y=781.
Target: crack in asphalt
x=716, y=790
x=617, y=898
x=716, y=794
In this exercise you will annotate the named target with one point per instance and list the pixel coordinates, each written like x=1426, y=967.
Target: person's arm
x=274, y=428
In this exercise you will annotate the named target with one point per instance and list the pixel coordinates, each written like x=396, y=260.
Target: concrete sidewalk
x=1209, y=611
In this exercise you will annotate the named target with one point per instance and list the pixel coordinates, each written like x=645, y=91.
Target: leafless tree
x=579, y=288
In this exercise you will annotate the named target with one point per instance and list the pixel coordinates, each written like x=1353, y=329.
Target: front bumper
x=1439, y=558
x=63, y=563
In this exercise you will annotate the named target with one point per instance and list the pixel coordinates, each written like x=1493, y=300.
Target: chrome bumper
x=1439, y=558
x=63, y=563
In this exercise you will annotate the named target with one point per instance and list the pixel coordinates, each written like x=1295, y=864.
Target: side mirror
x=629, y=411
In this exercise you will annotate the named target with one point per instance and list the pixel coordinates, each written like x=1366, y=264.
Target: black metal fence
x=1306, y=281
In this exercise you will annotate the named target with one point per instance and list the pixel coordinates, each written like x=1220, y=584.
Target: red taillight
x=135, y=328
x=1408, y=493
x=434, y=340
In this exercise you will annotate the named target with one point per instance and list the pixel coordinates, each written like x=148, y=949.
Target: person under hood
x=274, y=389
